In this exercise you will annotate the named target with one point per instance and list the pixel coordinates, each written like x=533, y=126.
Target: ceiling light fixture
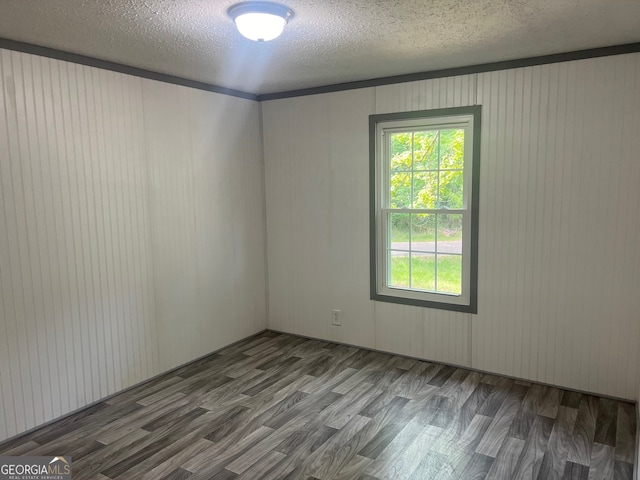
x=260, y=21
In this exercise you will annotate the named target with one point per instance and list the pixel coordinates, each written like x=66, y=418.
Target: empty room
x=319, y=239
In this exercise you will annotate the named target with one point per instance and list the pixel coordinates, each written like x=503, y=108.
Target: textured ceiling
x=327, y=42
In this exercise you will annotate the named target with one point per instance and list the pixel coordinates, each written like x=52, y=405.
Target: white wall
x=206, y=212
x=559, y=264
x=131, y=232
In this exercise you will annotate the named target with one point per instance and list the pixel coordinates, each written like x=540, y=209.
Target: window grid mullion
x=438, y=181
x=435, y=257
x=442, y=211
x=413, y=153
x=413, y=158
x=430, y=171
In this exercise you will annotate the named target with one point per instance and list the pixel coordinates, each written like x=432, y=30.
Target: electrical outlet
x=336, y=318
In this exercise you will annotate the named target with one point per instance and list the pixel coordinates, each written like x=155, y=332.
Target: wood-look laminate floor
x=282, y=407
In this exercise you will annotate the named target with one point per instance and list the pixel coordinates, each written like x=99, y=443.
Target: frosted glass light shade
x=260, y=27
x=260, y=21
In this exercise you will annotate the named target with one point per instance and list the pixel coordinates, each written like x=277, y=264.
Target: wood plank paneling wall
x=560, y=269
x=207, y=217
x=131, y=232
x=559, y=263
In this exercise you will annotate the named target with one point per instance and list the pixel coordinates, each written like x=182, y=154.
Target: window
x=424, y=207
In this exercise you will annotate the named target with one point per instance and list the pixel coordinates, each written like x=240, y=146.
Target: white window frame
x=381, y=126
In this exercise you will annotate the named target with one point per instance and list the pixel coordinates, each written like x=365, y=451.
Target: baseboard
x=139, y=384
